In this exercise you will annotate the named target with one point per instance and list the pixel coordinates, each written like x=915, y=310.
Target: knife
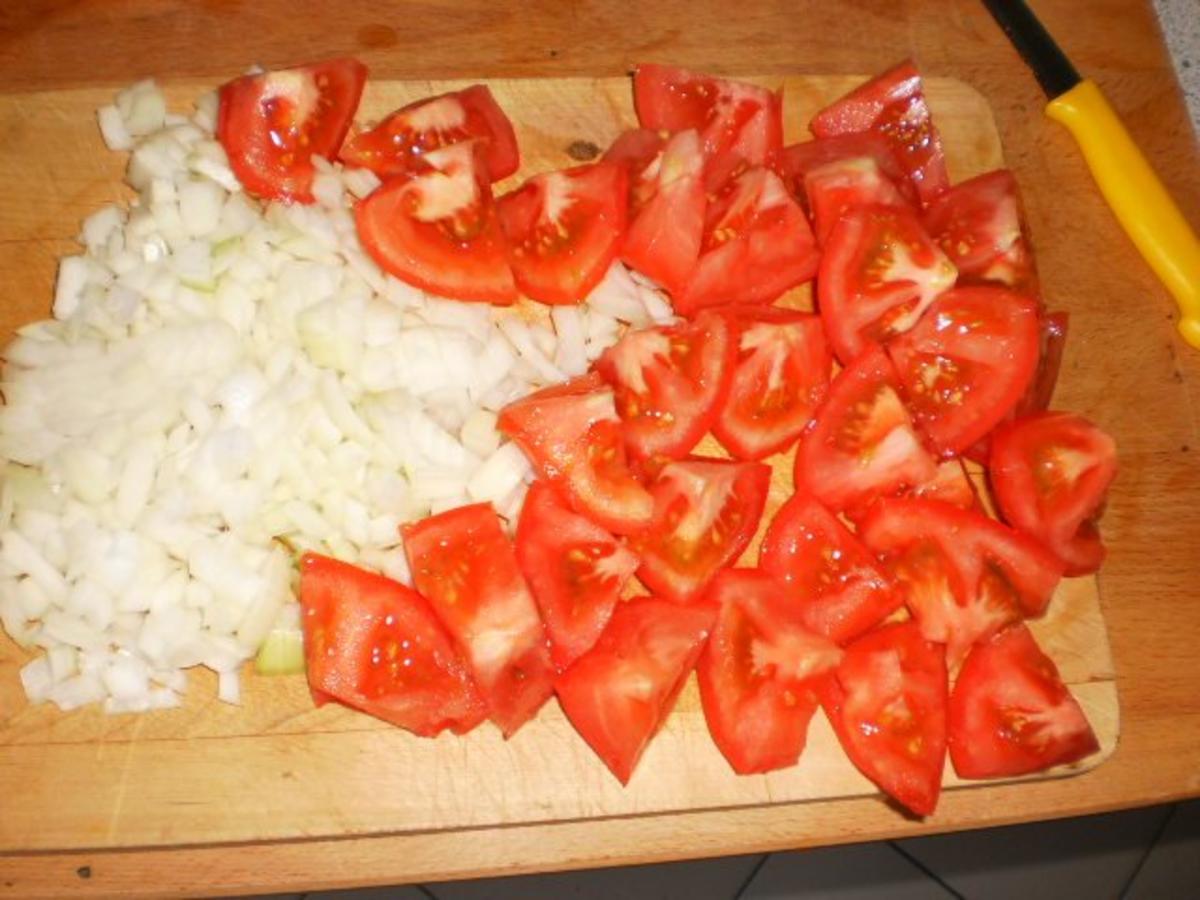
x=1128, y=183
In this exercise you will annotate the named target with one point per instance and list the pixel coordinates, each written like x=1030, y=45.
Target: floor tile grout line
x=1158, y=833
x=912, y=860
x=750, y=878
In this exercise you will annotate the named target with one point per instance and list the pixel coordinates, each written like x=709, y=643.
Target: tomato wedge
x=634, y=150
x=1010, y=713
x=272, y=124
x=845, y=184
x=966, y=365
x=756, y=672
x=964, y=576
x=978, y=224
x=1052, y=340
x=465, y=565
x=893, y=105
x=887, y=704
x=563, y=229
x=862, y=443
x=757, y=244
x=705, y=513
x=375, y=645
x=780, y=376
x=619, y=693
x=794, y=162
x=951, y=485
x=438, y=230
x=670, y=382
x=837, y=587
x=737, y=122
x=666, y=224
x=572, y=435
x=575, y=570
x=1050, y=474
x=400, y=143
x=880, y=271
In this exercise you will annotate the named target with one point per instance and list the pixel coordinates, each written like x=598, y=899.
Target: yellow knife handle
x=1141, y=203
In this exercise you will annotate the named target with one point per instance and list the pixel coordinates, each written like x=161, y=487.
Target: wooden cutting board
x=275, y=768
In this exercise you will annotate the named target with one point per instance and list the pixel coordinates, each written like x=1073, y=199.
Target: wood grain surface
x=1124, y=367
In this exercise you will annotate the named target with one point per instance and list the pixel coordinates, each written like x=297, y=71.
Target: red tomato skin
x=758, y=713
x=648, y=640
x=893, y=104
x=1036, y=495
x=794, y=162
x=912, y=775
x=391, y=148
x=835, y=188
x=1005, y=686
x=575, y=571
x=356, y=605
x=466, y=566
x=270, y=163
x=559, y=262
x=839, y=590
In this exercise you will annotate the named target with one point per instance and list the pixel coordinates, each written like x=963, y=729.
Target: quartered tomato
x=375, y=645
x=670, y=383
x=1052, y=340
x=780, y=375
x=272, y=124
x=794, y=162
x=862, y=443
x=838, y=187
x=666, y=224
x=964, y=576
x=575, y=570
x=634, y=150
x=878, y=274
x=438, y=230
x=737, y=122
x=464, y=564
x=619, y=693
x=757, y=244
x=563, y=230
x=756, y=672
x=1050, y=474
x=400, y=142
x=978, y=224
x=967, y=363
x=1010, y=713
x=836, y=586
x=705, y=514
x=572, y=435
x=887, y=704
x=951, y=485
x=893, y=105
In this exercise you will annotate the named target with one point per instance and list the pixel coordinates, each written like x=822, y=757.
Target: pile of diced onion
x=224, y=383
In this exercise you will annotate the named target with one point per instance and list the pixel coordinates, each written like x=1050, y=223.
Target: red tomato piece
x=966, y=364
x=862, y=443
x=399, y=143
x=1050, y=474
x=963, y=576
x=1052, y=340
x=635, y=149
x=836, y=585
x=272, y=124
x=737, y=122
x=375, y=645
x=951, y=485
x=756, y=672
x=619, y=693
x=563, y=229
x=978, y=224
x=575, y=570
x=794, y=162
x=666, y=224
x=879, y=273
x=757, y=244
x=893, y=105
x=572, y=435
x=438, y=230
x=1010, y=713
x=464, y=564
x=670, y=382
x=780, y=376
x=838, y=187
x=887, y=704
x=705, y=514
